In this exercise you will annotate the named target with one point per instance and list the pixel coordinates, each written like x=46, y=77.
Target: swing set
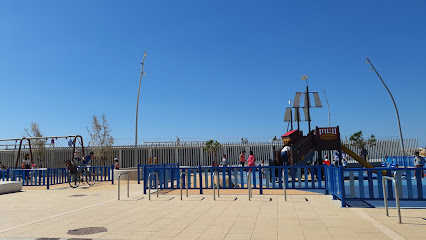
x=72, y=138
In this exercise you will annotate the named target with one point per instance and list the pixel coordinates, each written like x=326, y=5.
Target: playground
x=302, y=196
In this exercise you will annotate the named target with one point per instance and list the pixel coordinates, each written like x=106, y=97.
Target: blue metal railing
x=48, y=177
x=392, y=161
x=141, y=169
x=263, y=177
x=366, y=184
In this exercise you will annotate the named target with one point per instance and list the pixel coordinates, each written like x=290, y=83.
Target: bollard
x=119, y=176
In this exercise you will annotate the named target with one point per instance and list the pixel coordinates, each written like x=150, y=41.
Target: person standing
x=242, y=158
x=225, y=161
x=251, y=160
x=345, y=160
x=364, y=153
x=336, y=159
x=285, y=155
x=26, y=163
x=326, y=161
x=419, y=162
x=116, y=164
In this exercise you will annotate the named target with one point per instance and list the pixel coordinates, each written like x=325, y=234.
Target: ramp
x=356, y=157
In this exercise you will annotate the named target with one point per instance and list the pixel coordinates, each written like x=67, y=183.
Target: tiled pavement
x=35, y=214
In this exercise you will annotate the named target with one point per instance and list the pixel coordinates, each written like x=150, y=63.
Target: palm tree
x=212, y=146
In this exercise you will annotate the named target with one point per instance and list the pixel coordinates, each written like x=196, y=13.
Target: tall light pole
x=393, y=100
x=137, y=109
x=328, y=107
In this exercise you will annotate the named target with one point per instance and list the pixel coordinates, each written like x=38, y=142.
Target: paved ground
x=52, y=213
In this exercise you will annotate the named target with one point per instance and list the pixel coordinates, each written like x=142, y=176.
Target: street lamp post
x=137, y=109
x=394, y=104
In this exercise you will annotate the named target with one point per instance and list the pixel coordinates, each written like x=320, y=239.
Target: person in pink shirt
x=251, y=160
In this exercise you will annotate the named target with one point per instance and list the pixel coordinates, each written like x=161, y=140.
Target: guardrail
x=396, y=196
x=128, y=184
x=51, y=176
x=156, y=184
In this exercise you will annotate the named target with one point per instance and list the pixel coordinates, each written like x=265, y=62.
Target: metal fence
x=194, y=154
x=263, y=177
x=48, y=177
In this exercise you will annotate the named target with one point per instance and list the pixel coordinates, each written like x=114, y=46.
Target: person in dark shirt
x=88, y=158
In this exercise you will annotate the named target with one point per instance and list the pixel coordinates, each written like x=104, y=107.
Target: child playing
x=116, y=164
x=262, y=163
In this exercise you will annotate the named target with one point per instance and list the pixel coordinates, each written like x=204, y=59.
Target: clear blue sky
x=215, y=69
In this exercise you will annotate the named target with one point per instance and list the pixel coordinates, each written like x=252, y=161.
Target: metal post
x=384, y=178
x=183, y=174
x=137, y=109
x=284, y=186
x=149, y=184
x=215, y=173
x=394, y=104
x=249, y=185
x=119, y=176
x=309, y=103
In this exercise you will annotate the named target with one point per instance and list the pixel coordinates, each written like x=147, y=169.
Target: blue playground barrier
x=52, y=176
x=267, y=177
x=342, y=183
x=392, y=161
x=141, y=169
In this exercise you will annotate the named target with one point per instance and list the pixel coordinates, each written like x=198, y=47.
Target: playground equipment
x=28, y=139
x=320, y=139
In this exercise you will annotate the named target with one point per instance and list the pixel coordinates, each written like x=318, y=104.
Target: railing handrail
x=384, y=178
x=149, y=182
x=119, y=176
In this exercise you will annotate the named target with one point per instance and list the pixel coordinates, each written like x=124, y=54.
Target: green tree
x=101, y=140
x=358, y=140
x=38, y=144
x=213, y=146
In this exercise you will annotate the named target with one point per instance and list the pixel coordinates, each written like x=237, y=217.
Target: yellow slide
x=356, y=157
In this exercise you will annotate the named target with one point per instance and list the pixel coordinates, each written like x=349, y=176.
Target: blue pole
x=112, y=174
x=260, y=179
x=201, y=178
x=342, y=186
x=48, y=178
x=139, y=174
